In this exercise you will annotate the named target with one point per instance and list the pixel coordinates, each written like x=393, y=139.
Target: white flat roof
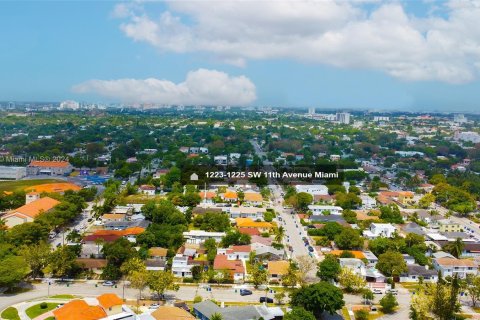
x=436, y=236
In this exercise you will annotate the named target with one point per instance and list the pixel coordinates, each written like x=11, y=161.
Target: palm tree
x=455, y=248
x=280, y=234
x=98, y=242
x=216, y=316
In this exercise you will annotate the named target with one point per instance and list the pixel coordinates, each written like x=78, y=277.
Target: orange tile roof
x=79, y=309
x=114, y=216
x=245, y=248
x=230, y=195
x=34, y=208
x=221, y=262
x=171, y=313
x=249, y=223
x=108, y=300
x=249, y=231
x=388, y=193
x=253, y=196
x=278, y=267
x=207, y=195
x=53, y=164
x=126, y=232
x=53, y=187
x=133, y=231
x=356, y=254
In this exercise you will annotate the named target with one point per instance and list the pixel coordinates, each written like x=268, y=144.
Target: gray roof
x=412, y=227
x=127, y=224
x=416, y=270
x=324, y=218
x=155, y=263
x=461, y=235
x=208, y=308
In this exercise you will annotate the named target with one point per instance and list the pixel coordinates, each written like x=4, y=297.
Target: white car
x=377, y=291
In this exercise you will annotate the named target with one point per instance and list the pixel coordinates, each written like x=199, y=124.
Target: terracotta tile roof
x=249, y=231
x=278, y=267
x=133, y=231
x=147, y=187
x=171, y=313
x=230, y=195
x=114, y=216
x=222, y=263
x=388, y=193
x=356, y=254
x=34, y=208
x=157, y=252
x=53, y=187
x=52, y=164
x=245, y=248
x=207, y=195
x=112, y=235
x=89, y=263
x=108, y=300
x=253, y=196
x=451, y=262
x=249, y=223
x=104, y=237
x=79, y=309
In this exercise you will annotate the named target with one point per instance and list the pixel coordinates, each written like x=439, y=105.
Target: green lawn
x=35, y=311
x=63, y=296
x=142, y=198
x=10, y=314
x=50, y=318
x=411, y=286
x=22, y=184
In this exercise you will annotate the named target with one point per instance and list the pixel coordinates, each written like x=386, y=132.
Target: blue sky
x=103, y=51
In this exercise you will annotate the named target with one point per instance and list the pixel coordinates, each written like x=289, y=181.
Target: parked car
x=245, y=292
x=153, y=306
x=265, y=299
x=377, y=291
x=310, y=248
x=108, y=283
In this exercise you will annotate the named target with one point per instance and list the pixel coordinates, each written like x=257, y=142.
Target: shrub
x=43, y=305
x=361, y=314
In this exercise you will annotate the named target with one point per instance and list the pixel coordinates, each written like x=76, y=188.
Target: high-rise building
x=311, y=111
x=459, y=118
x=343, y=117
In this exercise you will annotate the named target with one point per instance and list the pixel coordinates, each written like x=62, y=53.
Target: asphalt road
x=187, y=293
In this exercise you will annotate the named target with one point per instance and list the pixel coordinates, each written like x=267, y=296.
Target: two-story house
x=451, y=266
x=379, y=230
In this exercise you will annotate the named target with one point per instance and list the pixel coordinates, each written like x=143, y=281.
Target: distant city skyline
x=383, y=55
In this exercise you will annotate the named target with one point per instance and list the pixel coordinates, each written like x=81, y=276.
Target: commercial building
x=50, y=168
x=28, y=212
x=343, y=117
x=12, y=173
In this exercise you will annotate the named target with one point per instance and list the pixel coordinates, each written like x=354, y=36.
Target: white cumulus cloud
x=201, y=87
x=443, y=46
